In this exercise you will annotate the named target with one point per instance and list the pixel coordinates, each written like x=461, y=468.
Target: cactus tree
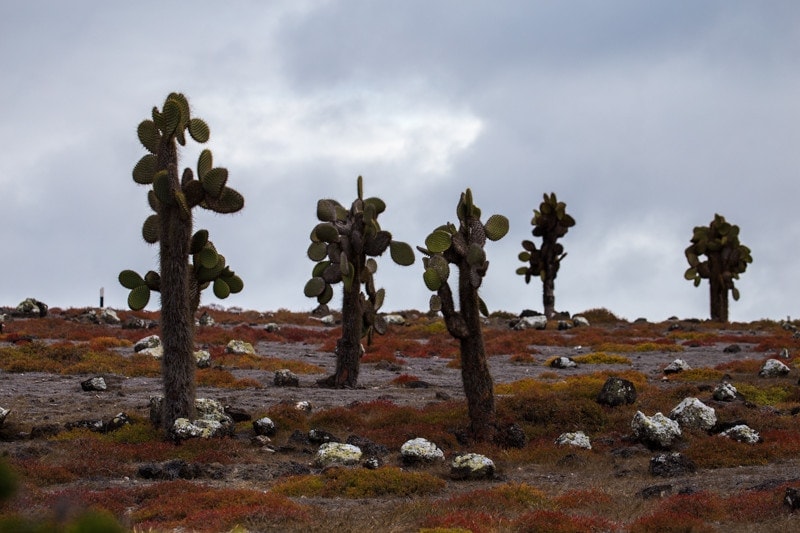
x=463, y=247
x=172, y=198
x=344, y=245
x=726, y=258
x=550, y=222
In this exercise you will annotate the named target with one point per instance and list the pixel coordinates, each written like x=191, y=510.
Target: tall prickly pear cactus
x=550, y=222
x=344, y=245
x=172, y=196
x=463, y=247
x=726, y=258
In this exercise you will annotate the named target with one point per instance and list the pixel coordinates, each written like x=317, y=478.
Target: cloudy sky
x=646, y=118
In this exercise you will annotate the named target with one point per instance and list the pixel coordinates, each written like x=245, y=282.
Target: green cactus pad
x=152, y=200
x=149, y=135
x=130, y=279
x=432, y=279
x=524, y=256
x=208, y=257
x=158, y=118
x=214, y=181
x=199, y=240
x=205, y=162
x=199, y=130
x=162, y=188
x=153, y=280
x=496, y=227
x=151, y=229
x=145, y=169
x=172, y=116
x=185, y=211
x=139, y=297
x=440, y=265
x=522, y=271
x=221, y=289
x=327, y=232
x=438, y=241
x=230, y=201
x=435, y=303
x=326, y=210
x=235, y=284
x=317, y=251
x=377, y=204
x=371, y=266
x=314, y=287
x=319, y=269
x=482, y=307
x=326, y=295
x=380, y=295
x=401, y=253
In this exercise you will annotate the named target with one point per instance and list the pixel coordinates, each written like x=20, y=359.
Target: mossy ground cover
x=78, y=477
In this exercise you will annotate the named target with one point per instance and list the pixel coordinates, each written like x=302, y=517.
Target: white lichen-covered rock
x=531, y=322
x=3, y=414
x=109, y=316
x=678, y=365
x=577, y=439
x=395, y=319
x=420, y=450
x=773, y=368
x=304, y=405
x=183, y=429
x=694, y=414
x=579, y=321
x=146, y=343
x=206, y=320
x=272, y=327
x=337, y=453
x=94, y=384
x=657, y=430
x=472, y=466
x=724, y=392
x=265, y=426
x=285, y=378
x=31, y=306
x=742, y=433
x=328, y=320
x=202, y=358
x=563, y=362
x=239, y=347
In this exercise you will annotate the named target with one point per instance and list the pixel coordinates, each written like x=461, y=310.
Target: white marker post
x=102, y=292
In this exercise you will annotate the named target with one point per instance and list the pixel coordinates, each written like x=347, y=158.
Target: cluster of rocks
x=533, y=320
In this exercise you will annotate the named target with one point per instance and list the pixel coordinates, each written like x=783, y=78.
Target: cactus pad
x=151, y=229
x=401, y=253
x=199, y=130
x=438, y=241
x=139, y=297
x=496, y=227
x=149, y=135
x=130, y=279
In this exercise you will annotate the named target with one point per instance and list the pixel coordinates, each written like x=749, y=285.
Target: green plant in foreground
x=172, y=197
x=726, y=258
x=344, y=245
x=462, y=247
x=550, y=222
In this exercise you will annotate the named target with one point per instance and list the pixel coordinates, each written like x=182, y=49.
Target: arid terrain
x=410, y=386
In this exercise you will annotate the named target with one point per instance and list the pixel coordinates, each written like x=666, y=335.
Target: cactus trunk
x=348, y=347
x=177, y=325
x=478, y=385
x=718, y=291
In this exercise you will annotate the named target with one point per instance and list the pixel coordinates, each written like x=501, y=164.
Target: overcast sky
x=646, y=118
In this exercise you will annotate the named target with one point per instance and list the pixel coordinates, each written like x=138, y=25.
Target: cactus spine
x=726, y=258
x=463, y=247
x=343, y=246
x=550, y=222
x=172, y=197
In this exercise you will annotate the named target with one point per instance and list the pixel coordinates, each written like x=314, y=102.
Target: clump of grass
x=104, y=343
x=216, y=377
x=767, y=395
x=387, y=481
x=699, y=375
x=601, y=358
x=522, y=358
x=599, y=315
x=404, y=379
x=664, y=345
x=555, y=521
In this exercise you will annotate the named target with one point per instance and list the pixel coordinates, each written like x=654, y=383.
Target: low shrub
x=361, y=483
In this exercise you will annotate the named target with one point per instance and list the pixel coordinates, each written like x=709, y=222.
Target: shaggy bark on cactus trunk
x=348, y=347
x=177, y=326
x=718, y=291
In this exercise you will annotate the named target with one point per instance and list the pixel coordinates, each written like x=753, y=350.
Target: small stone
x=337, y=453
x=3, y=415
x=286, y=378
x=792, y=498
x=577, y=439
x=724, y=392
x=658, y=430
x=272, y=327
x=239, y=347
x=563, y=362
x=94, y=384
x=202, y=358
x=265, y=426
x=732, y=348
x=109, y=316
x=318, y=436
x=671, y=465
x=678, y=365
x=579, y=321
x=328, y=320
x=564, y=325
x=152, y=341
x=617, y=391
x=742, y=433
x=472, y=466
x=304, y=406
x=773, y=368
x=395, y=319
x=420, y=450
x=530, y=322
x=692, y=413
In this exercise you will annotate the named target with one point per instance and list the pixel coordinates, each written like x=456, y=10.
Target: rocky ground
x=41, y=399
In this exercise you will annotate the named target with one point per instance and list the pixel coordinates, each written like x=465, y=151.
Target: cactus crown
x=719, y=242
x=462, y=246
x=550, y=222
x=158, y=135
x=343, y=245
